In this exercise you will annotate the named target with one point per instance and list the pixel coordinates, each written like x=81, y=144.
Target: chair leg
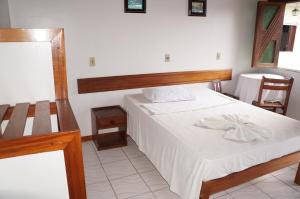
x=297, y=178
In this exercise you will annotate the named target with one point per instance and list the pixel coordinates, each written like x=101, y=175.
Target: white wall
x=291, y=60
x=136, y=43
x=26, y=72
x=39, y=176
x=4, y=14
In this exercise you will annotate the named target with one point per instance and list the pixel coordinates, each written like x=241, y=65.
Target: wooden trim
x=102, y=84
x=263, y=37
x=59, y=66
x=66, y=117
x=87, y=138
x=221, y=184
x=69, y=142
x=56, y=38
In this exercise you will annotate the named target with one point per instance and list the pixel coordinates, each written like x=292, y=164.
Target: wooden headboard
x=102, y=84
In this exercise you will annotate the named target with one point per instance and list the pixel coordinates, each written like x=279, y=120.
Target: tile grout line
x=225, y=195
x=148, y=171
x=139, y=174
x=287, y=184
x=168, y=187
x=105, y=172
x=262, y=190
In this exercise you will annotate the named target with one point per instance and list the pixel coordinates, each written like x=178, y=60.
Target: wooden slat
x=3, y=110
x=31, y=110
x=102, y=84
x=276, y=88
x=16, y=125
x=277, y=81
x=42, y=120
x=65, y=115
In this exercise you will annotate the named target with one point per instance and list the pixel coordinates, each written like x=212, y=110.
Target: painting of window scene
x=135, y=6
x=197, y=7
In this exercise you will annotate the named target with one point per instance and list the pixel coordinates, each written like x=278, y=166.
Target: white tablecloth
x=248, y=88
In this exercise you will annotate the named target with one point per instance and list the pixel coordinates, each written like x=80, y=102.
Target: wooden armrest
x=66, y=118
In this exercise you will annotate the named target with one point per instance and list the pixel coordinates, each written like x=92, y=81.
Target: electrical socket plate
x=167, y=58
x=92, y=62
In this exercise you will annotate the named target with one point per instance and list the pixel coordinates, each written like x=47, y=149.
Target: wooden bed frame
x=13, y=143
x=103, y=84
x=214, y=186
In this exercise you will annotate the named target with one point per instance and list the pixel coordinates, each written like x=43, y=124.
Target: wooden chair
x=275, y=85
x=217, y=86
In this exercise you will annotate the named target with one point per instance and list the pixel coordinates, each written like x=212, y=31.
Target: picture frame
x=135, y=6
x=198, y=8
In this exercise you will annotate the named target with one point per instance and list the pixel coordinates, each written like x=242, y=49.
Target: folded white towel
x=236, y=127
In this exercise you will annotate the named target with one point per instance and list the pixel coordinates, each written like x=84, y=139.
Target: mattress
x=187, y=155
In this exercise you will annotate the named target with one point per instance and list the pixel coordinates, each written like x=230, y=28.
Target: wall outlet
x=218, y=56
x=167, y=58
x=92, y=61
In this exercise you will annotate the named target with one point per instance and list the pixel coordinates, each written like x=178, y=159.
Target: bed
x=199, y=162
x=43, y=138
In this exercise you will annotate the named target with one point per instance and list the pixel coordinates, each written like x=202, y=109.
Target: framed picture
x=135, y=6
x=197, y=7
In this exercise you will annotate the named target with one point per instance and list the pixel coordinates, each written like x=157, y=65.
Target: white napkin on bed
x=236, y=127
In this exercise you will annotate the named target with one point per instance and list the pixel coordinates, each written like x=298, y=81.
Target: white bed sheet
x=186, y=155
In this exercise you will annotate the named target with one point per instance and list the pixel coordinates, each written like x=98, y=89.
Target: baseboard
x=86, y=138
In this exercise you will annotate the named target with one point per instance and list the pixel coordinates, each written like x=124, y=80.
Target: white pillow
x=168, y=94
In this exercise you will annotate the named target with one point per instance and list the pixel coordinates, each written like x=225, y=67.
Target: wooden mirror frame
x=56, y=38
x=68, y=139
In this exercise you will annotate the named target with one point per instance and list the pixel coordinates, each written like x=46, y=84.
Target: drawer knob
x=112, y=122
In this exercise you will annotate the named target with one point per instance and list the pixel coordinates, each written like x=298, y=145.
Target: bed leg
x=204, y=196
x=297, y=178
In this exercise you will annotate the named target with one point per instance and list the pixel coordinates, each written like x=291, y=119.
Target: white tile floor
x=126, y=173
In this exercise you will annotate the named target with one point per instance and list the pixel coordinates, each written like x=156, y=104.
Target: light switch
x=167, y=58
x=92, y=62
x=218, y=56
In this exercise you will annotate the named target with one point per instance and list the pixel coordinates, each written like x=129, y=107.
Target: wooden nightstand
x=106, y=118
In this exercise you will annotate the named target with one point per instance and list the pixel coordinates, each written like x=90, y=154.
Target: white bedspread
x=186, y=155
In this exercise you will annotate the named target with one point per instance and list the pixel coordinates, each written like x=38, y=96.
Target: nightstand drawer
x=112, y=121
x=105, y=118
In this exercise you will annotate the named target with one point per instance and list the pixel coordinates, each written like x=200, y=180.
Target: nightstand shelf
x=109, y=118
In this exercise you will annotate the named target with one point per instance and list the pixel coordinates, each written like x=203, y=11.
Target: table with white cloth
x=248, y=88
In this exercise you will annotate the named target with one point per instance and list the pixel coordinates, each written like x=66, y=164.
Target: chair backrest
x=276, y=85
x=217, y=86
